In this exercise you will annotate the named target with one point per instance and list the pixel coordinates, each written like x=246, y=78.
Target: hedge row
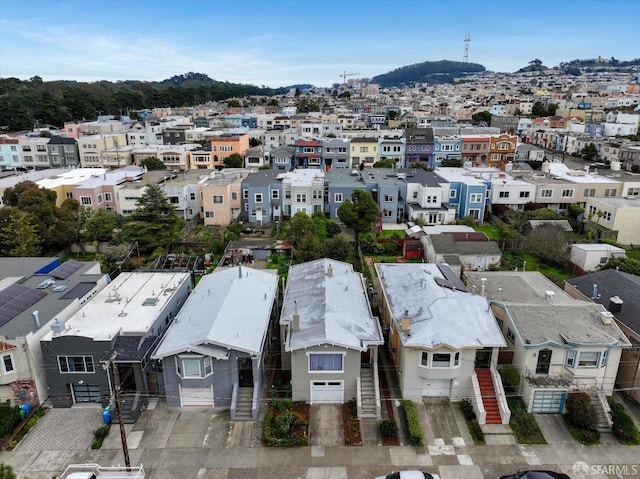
x=623, y=426
x=413, y=425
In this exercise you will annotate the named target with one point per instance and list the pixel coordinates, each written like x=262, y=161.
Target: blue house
x=309, y=154
x=468, y=192
x=447, y=145
x=261, y=196
x=376, y=119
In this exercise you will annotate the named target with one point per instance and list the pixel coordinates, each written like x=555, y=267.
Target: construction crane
x=345, y=75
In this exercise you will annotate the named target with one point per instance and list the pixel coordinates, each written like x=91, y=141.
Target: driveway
x=63, y=429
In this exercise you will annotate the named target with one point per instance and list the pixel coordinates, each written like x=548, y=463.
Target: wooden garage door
x=327, y=392
x=196, y=396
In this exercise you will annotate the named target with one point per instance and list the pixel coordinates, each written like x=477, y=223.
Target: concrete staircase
x=244, y=401
x=603, y=423
x=368, y=391
x=488, y=393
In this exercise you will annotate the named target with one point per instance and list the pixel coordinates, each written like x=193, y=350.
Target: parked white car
x=410, y=475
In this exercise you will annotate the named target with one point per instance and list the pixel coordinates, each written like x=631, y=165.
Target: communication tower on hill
x=467, y=40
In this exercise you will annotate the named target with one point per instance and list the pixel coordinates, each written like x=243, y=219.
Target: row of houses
x=280, y=148
x=219, y=342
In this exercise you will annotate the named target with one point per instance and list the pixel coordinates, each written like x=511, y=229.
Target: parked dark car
x=535, y=474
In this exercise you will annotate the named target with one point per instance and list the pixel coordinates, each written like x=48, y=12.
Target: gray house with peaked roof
x=619, y=292
x=328, y=332
x=216, y=347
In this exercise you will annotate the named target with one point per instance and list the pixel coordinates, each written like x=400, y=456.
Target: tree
x=393, y=114
x=589, y=151
x=153, y=222
x=535, y=62
x=309, y=248
x=254, y=142
x=18, y=233
x=300, y=225
x=359, y=213
x=482, y=117
x=153, y=163
x=233, y=103
x=549, y=243
x=273, y=102
x=338, y=248
x=386, y=163
x=234, y=160
x=626, y=265
x=538, y=109
x=552, y=108
x=101, y=225
x=297, y=93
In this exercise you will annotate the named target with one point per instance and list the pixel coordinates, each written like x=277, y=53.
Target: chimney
x=406, y=323
x=594, y=294
x=329, y=270
x=606, y=317
x=36, y=320
x=296, y=317
x=483, y=286
x=615, y=304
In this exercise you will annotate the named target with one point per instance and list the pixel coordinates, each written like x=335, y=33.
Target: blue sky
x=281, y=43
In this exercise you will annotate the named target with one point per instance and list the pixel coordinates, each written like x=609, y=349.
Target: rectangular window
x=191, y=368
x=234, y=196
x=590, y=192
x=337, y=198
x=441, y=360
x=610, y=192
x=208, y=368
x=633, y=192
x=475, y=197
x=174, y=200
x=208, y=214
x=588, y=359
x=99, y=199
x=415, y=195
x=301, y=197
x=245, y=194
x=503, y=194
x=275, y=194
x=570, y=361
x=524, y=194
x=388, y=198
x=604, y=357
x=76, y=364
x=511, y=336
x=424, y=359
x=7, y=363
x=108, y=197
x=192, y=196
x=325, y=362
x=452, y=193
x=257, y=197
x=546, y=193
x=287, y=194
x=567, y=193
x=85, y=200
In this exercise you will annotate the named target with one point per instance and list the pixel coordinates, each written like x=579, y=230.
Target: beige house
x=220, y=196
x=617, y=218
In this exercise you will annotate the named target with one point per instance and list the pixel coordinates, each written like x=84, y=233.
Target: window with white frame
x=193, y=366
x=511, y=336
x=7, y=363
x=76, y=364
x=586, y=359
x=245, y=194
x=208, y=214
x=503, y=194
x=590, y=192
x=524, y=194
x=388, y=198
x=415, y=195
x=275, y=194
x=258, y=197
x=633, y=192
x=85, y=201
x=99, y=199
x=439, y=359
x=109, y=197
x=337, y=198
x=301, y=197
x=234, y=196
x=567, y=193
x=452, y=193
x=287, y=194
x=546, y=193
x=475, y=197
x=326, y=362
x=610, y=192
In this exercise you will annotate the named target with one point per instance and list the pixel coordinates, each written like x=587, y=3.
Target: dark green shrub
x=99, y=435
x=623, y=426
x=510, y=378
x=413, y=424
x=467, y=410
x=476, y=431
x=580, y=411
x=388, y=428
x=9, y=418
x=587, y=436
x=6, y=472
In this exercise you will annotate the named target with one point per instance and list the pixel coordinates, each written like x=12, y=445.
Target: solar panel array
x=15, y=299
x=66, y=269
x=79, y=290
x=452, y=281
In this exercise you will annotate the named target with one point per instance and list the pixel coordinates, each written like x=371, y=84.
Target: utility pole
x=116, y=388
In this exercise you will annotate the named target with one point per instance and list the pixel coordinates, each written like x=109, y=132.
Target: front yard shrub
x=624, y=429
x=99, y=435
x=6, y=472
x=286, y=424
x=580, y=411
x=476, y=431
x=467, y=410
x=523, y=424
x=413, y=424
x=388, y=428
x=510, y=378
x=9, y=418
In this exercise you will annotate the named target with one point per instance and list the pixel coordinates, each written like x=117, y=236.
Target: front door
x=483, y=358
x=245, y=372
x=544, y=360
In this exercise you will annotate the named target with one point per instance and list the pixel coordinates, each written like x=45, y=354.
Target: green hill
x=443, y=71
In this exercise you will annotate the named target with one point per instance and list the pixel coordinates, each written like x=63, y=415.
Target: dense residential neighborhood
x=217, y=260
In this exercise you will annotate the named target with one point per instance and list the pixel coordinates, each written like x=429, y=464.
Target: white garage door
x=327, y=392
x=196, y=396
x=436, y=387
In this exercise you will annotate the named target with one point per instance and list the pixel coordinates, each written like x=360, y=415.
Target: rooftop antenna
x=467, y=40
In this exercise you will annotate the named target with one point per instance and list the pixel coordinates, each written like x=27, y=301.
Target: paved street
x=202, y=443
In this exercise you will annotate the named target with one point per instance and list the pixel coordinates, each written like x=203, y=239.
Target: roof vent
x=549, y=296
x=296, y=317
x=329, y=270
x=606, y=317
x=57, y=326
x=615, y=304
